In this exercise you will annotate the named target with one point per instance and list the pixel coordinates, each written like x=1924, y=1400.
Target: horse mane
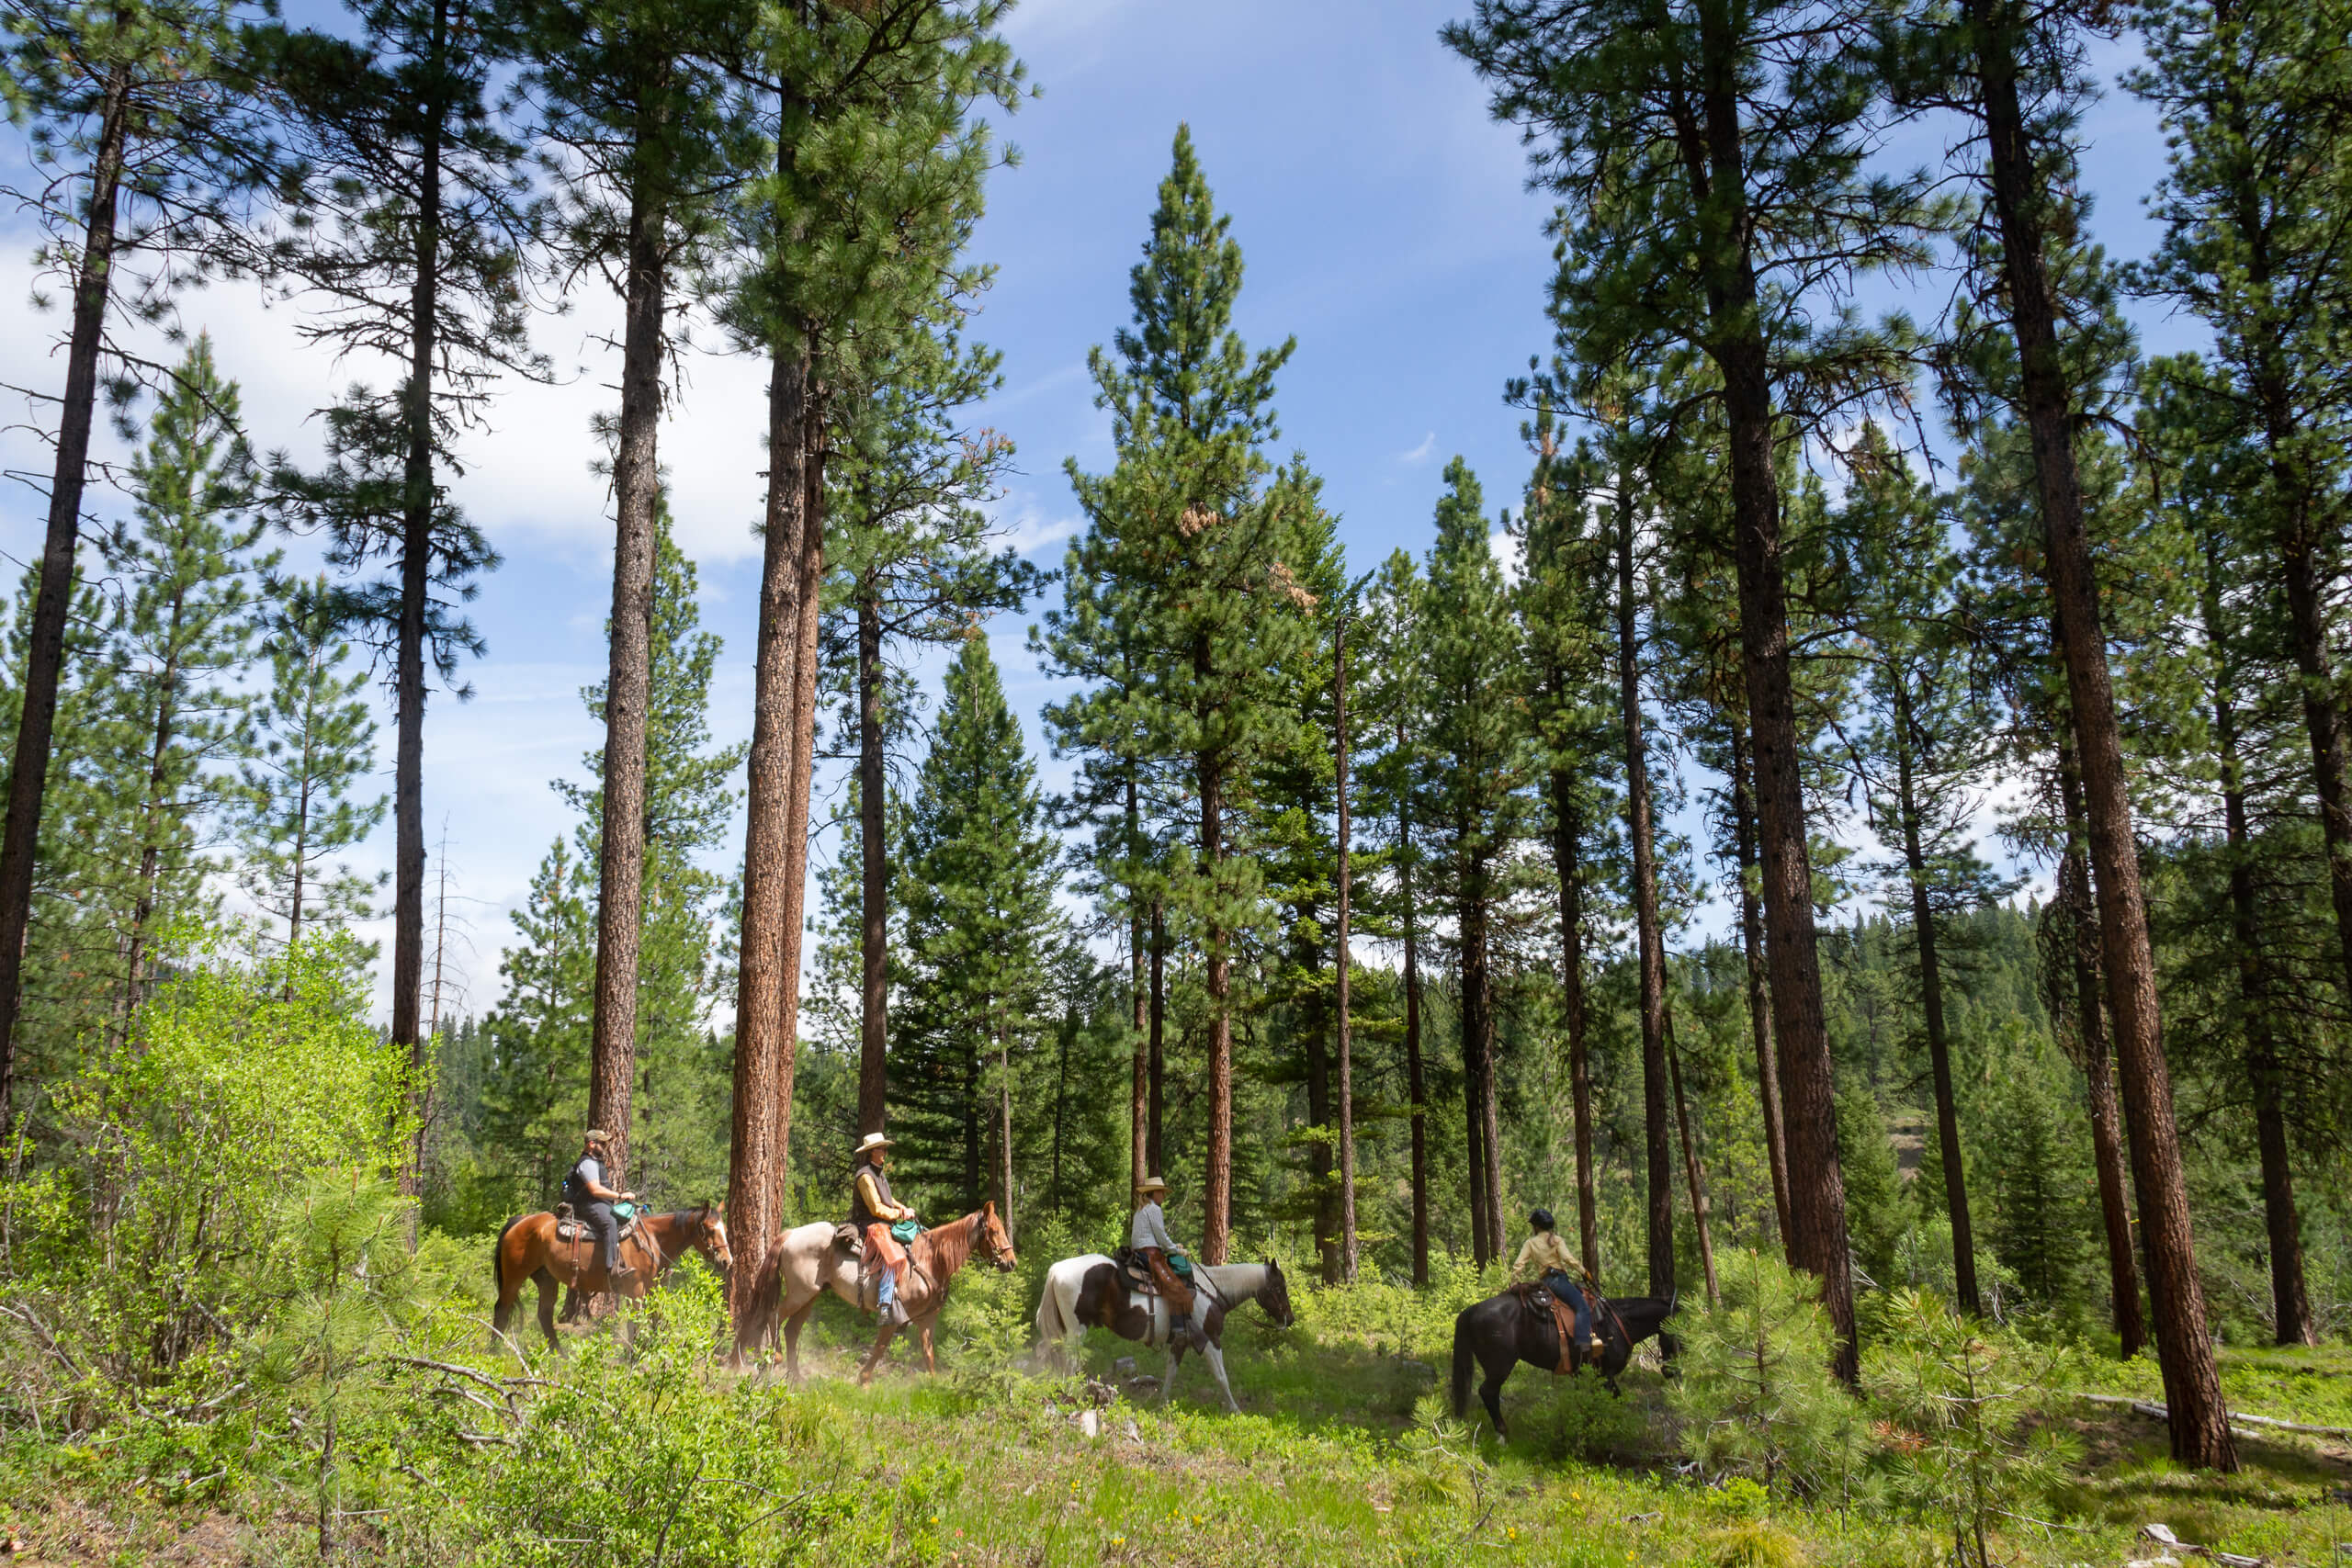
x=949, y=1247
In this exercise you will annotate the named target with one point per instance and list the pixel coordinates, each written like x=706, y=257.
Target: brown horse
x=528, y=1249
x=934, y=1258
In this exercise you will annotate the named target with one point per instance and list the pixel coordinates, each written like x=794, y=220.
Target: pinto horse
x=934, y=1258
x=1503, y=1331
x=529, y=1249
x=1088, y=1292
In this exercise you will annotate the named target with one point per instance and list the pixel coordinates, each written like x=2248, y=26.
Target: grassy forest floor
x=1339, y=1456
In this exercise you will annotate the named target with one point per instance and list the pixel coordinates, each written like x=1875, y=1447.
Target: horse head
x=993, y=1241
x=1274, y=1296
x=710, y=1235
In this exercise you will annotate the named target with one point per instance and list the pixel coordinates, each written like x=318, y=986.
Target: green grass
x=1341, y=1455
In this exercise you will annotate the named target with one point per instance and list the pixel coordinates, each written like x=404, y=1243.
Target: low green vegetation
x=221, y=1341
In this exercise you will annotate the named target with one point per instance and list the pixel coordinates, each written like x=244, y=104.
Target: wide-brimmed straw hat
x=595, y=1135
x=1151, y=1184
x=871, y=1142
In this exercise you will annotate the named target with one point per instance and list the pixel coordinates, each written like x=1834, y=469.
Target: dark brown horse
x=529, y=1249
x=934, y=1258
x=1503, y=1331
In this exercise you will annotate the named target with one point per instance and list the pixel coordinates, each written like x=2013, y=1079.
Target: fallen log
x=2237, y=1418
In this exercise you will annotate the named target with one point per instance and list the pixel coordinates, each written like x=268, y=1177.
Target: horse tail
x=1463, y=1357
x=1050, y=1325
x=498, y=1257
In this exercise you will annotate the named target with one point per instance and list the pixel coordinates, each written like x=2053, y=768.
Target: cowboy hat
x=1151, y=1184
x=871, y=1142
x=595, y=1135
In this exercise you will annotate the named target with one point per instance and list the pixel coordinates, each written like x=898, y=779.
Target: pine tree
x=144, y=146
x=635, y=93
x=1196, y=528
x=171, y=710
x=1713, y=161
x=1477, y=764
x=980, y=891
x=315, y=743
x=409, y=234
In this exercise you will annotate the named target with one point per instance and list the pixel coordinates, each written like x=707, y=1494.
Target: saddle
x=1538, y=1298
x=571, y=1228
x=1134, y=1273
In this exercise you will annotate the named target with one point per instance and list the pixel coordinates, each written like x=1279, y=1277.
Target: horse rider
x=592, y=1201
x=1545, y=1256
x=871, y=1205
x=1147, y=1238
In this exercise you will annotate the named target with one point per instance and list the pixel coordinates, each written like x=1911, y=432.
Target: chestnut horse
x=528, y=1249
x=934, y=1257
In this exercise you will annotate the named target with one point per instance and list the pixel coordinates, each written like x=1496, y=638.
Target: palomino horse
x=1503, y=1331
x=527, y=1249
x=1088, y=1292
x=934, y=1258
x=806, y=1261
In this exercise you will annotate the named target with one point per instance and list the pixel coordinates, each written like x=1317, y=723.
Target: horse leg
x=923, y=1326
x=874, y=1357
x=1214, y=1353
x=545, y=1279
x=1490, y=1393
x=792, y=1327
x=1175, y=1361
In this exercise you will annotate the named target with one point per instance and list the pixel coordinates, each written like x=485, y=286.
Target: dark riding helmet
x=1541, y=1219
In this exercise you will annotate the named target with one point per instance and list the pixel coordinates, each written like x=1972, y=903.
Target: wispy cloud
x=1422, y=453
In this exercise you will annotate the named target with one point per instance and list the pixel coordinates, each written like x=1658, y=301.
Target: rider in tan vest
x=873, y=1210
x=1147, y=1236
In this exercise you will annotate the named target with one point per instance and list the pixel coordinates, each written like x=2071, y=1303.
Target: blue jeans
x=1568, y=1291
x=886, y=1293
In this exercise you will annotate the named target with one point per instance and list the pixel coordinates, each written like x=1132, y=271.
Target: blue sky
x=1386, y=224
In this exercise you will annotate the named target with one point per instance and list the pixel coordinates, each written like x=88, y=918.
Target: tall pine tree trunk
x=1345, y=959
x=874, y=857
x=1817, y=1239
x=2198, y=1423
x=1004, y=1123
x=1473, y=910
x=1657, y=1141
x=151, y=845
x=1320, y=1155
x=1567, y=836
x=629, y=685
x=2099, y=1071
x=45, y=653
x=755, y=1165
x=1693, y=1171
x=804, y=764
x=1931, y=1001
x=416, y=566
x=2292, y=1322
x=1416, y=1088
x=1217, y=1187
x=1138, y=985
x=1759, y=1001
x=1158, y=1046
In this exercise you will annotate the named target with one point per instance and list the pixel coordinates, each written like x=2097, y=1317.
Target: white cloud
x=1422, y=453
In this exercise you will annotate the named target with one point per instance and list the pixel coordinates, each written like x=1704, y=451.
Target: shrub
x=1960, y=1394
x=1757, y=1395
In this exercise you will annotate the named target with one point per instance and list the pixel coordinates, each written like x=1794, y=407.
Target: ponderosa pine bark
x=2108, y=1151
x=2292, y=1322
x=1416, y=1075
x=1157, y=1049
x=2198, y=1419
x=45, y=655
x=1138, y=986
x=755, y=1167
x=873, y=884
x=1932, y=1002
x=629, y=682
x=1657, y=1139
x=1759, y=1001
x=1693, y=1171
x=1216, y=1223
x=1567, y=836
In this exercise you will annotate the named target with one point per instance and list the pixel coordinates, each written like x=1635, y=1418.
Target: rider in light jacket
x=1149, y=1238
x=1545, y=1255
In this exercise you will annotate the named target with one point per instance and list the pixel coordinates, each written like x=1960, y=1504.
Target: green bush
x=1757, y=1396
x=155, y=1238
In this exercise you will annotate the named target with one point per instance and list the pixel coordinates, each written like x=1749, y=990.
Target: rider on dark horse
x=1545, y=1257
x=873, y=1212
x=584, y=1190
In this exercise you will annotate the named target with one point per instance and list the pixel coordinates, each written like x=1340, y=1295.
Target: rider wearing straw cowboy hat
x=874, y=1210
x=1147, y=1238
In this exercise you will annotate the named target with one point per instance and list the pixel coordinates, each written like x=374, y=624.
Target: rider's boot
x=895, y=1314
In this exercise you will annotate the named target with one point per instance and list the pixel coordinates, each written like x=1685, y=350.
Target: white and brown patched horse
x=1092, y=1291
